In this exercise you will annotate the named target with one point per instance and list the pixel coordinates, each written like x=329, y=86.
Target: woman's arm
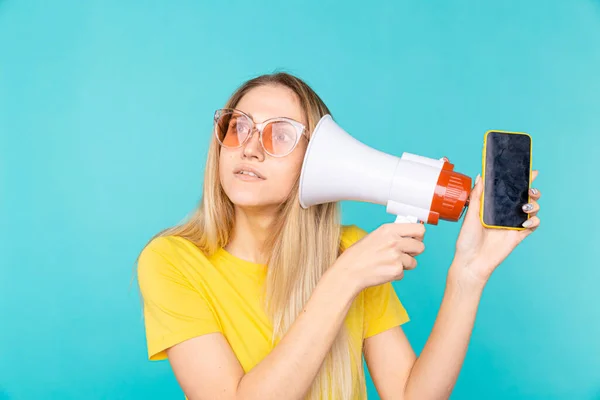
x=396, y=371
x=479, y=251
x=206, y=367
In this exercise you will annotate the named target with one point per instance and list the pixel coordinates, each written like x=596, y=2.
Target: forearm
x=435, y=372
x=290, y=368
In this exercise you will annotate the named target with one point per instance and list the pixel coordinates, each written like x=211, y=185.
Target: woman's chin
x=252, y=201
x=253, y=196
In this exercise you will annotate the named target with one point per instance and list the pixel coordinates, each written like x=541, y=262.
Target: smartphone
x=506, y=176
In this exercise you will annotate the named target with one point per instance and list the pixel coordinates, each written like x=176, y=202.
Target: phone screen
x=506, y=176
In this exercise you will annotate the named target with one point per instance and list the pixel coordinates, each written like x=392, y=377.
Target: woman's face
x=277, y=175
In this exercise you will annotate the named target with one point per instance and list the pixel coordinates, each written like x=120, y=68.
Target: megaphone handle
x=404, y=219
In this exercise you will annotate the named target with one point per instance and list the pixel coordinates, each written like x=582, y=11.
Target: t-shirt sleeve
x=383, y=309
x=174, y=310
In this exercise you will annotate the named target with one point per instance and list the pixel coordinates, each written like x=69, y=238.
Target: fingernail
x=477, y=179
x=527, y=223
x=534, y=191
x=528, y=207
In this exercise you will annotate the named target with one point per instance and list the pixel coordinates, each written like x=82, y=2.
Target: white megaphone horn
x=413, y=188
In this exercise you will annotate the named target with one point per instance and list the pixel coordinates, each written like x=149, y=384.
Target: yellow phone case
x=483, y=178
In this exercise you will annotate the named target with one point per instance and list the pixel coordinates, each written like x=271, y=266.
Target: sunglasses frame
x=300, y=129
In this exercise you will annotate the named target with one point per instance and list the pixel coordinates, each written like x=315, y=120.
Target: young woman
x=256, y=298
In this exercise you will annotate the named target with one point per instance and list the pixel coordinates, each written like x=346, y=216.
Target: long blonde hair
x=305, y=243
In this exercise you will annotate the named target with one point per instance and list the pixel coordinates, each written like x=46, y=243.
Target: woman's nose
x=253, y=148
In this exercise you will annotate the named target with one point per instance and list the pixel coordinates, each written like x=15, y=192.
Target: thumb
x=475, y=200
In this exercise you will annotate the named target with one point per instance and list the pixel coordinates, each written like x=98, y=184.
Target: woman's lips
x=248, y=176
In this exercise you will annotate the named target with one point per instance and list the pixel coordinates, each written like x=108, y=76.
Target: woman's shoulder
x=351, y=234
x=163, y=245
x=168, y=252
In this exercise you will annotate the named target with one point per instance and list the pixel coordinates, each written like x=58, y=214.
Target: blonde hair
x=305, y=243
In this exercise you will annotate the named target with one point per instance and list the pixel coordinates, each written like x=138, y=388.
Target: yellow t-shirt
x=187, y=294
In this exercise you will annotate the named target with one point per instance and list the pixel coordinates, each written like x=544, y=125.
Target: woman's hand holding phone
x=480, y=249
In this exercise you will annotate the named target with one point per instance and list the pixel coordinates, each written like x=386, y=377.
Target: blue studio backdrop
x=105, y=118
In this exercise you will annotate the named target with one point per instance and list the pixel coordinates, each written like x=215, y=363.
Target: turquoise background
x=105, y=117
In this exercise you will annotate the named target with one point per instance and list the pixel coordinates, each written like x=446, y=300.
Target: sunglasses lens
x=232, y=128
x=279, y=138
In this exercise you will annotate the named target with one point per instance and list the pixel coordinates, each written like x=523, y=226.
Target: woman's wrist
x=339, y=283
x=462, y=279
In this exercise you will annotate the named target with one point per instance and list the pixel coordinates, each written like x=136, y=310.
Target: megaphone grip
x=403, y=219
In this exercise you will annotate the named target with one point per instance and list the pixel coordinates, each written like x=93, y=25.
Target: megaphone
x=413, y=188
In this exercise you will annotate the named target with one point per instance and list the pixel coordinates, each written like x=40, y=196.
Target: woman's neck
x=251, y=229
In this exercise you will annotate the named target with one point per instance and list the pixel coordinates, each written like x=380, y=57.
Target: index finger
x=534, y=174
x=414, y=230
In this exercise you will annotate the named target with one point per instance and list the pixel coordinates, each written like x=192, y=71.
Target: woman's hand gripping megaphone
x=381, y=256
